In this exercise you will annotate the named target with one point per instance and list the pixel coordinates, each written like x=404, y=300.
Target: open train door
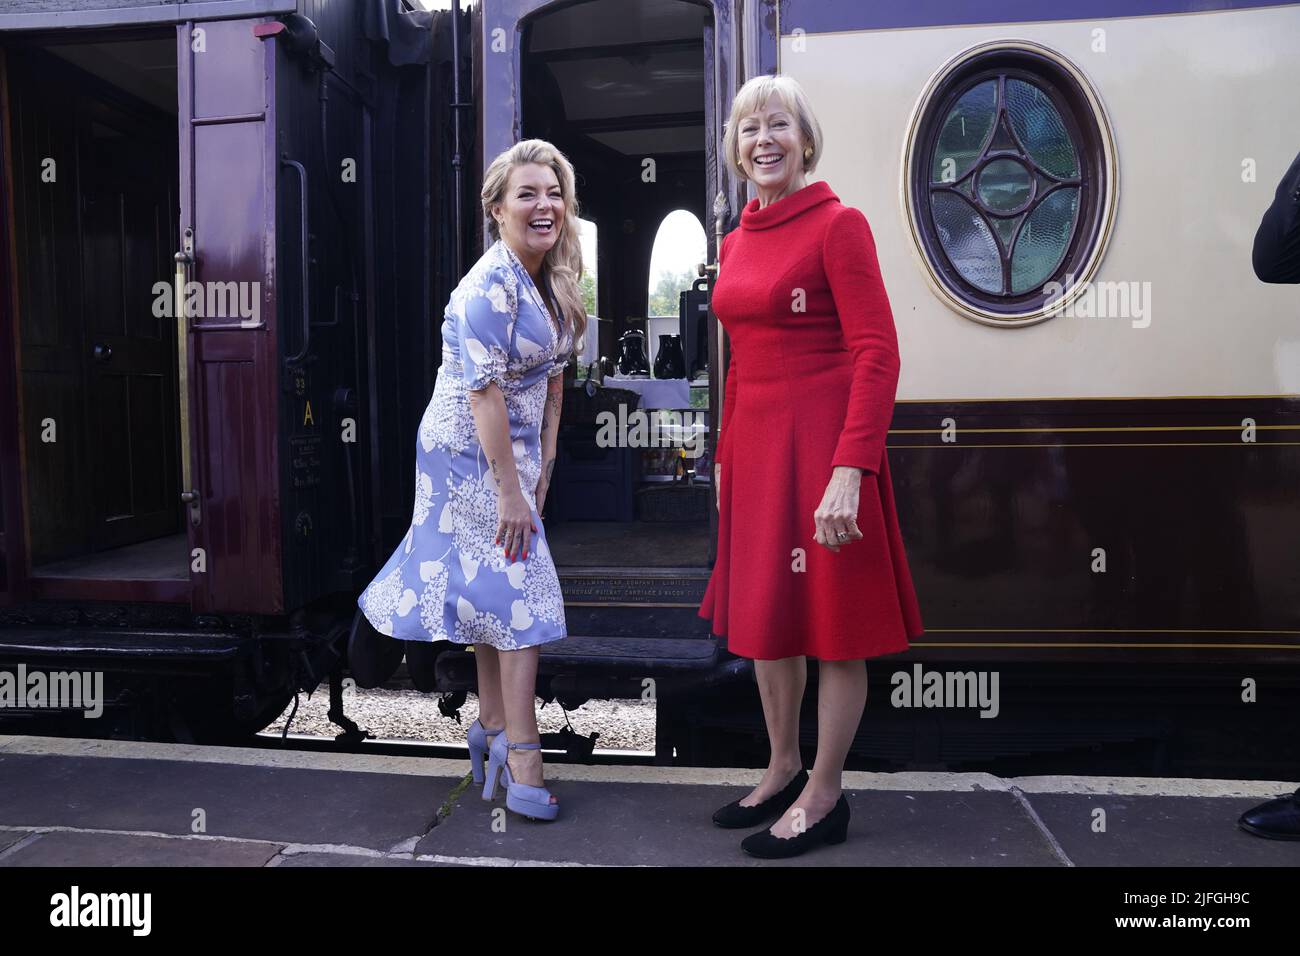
x=226, y=315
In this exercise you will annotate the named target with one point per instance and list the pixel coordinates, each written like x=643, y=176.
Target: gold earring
x=807, y=153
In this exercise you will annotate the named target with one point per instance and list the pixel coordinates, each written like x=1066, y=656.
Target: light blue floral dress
x=448, y=580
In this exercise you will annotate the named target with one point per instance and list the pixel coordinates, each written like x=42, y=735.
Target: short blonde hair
x=750, y=99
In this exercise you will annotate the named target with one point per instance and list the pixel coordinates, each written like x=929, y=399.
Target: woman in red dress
x=810, y=558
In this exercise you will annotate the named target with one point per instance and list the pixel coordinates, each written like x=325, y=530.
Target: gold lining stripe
x=1117, y=444
x=1089, y=398
x=1111, y=630
x=1100, y=428
x=1180, y=647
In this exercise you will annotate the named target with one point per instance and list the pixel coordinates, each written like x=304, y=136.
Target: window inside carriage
x=1010, y=182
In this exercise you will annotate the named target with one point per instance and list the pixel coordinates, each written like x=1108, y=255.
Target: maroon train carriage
x=192, y=502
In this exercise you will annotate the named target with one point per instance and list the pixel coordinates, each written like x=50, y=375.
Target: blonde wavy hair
x=562, y=265
x=751, y=97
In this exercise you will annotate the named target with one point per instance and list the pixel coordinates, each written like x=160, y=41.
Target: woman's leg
x=841, y=697
x=519, y=693
x=780, y=685
x=491, y=709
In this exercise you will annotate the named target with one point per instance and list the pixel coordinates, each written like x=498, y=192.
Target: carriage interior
x=620, y=88
x=98, y=366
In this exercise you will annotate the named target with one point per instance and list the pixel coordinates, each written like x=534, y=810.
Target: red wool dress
x=811, y=385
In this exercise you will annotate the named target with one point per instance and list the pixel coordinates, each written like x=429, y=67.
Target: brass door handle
x=184, y=261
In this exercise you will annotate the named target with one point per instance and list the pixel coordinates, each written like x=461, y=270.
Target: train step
x=88, y=644
x=641, y=654
x=601, y=666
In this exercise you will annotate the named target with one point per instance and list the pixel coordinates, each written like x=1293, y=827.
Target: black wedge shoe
x=735, y=817
x=832, y=828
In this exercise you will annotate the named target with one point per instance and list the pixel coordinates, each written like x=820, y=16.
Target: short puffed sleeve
x=485, y=319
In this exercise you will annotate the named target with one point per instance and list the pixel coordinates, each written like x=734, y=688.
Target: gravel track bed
x=397, y=714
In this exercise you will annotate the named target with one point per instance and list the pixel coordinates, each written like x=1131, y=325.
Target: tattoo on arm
x=550, y=467
x=495, y=474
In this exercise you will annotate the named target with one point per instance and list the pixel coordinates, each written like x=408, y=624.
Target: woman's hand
x=838, y=511
x=514, y=523
x=717, y=484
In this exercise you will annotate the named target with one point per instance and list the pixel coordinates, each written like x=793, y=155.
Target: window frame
x=1088, y=126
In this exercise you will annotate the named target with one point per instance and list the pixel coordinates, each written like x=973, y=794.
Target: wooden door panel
x=228, y=174
x=129, y=354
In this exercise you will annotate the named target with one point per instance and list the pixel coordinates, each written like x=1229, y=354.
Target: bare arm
x=514, y=519
x=550, y=434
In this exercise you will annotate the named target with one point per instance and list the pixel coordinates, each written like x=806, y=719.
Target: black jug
x=632, y=361
x=670, y=362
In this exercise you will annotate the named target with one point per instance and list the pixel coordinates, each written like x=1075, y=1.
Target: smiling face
x=771, y=148
x=531, y=214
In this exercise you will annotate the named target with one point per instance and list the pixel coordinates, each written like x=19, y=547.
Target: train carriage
x=1092, y=450
x=209, y=208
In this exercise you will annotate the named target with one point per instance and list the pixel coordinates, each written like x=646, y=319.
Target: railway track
x=553, y=747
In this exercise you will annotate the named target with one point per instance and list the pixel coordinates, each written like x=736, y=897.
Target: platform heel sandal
x=528, y=801
x=476, y=738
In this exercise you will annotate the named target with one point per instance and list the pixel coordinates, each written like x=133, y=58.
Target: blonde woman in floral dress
x=474, y=568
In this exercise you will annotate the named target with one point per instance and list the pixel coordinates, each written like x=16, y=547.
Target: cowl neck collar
x=787, y=207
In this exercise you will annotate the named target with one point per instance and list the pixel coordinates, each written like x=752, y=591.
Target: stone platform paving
x=74, y=802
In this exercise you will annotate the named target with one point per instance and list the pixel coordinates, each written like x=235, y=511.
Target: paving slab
x=62, y=848
x=314, y=810
x=1158, y=831
x=297, y=805
x=349, y=859
x=9, y=837
x=623, y=824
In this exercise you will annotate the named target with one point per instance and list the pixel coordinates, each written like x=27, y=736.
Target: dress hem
x=452, y=640
x=907, y=646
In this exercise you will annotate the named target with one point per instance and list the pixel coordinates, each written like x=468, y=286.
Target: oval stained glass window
x=1010, y=179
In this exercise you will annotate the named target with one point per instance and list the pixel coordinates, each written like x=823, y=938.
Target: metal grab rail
x=305, y=252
